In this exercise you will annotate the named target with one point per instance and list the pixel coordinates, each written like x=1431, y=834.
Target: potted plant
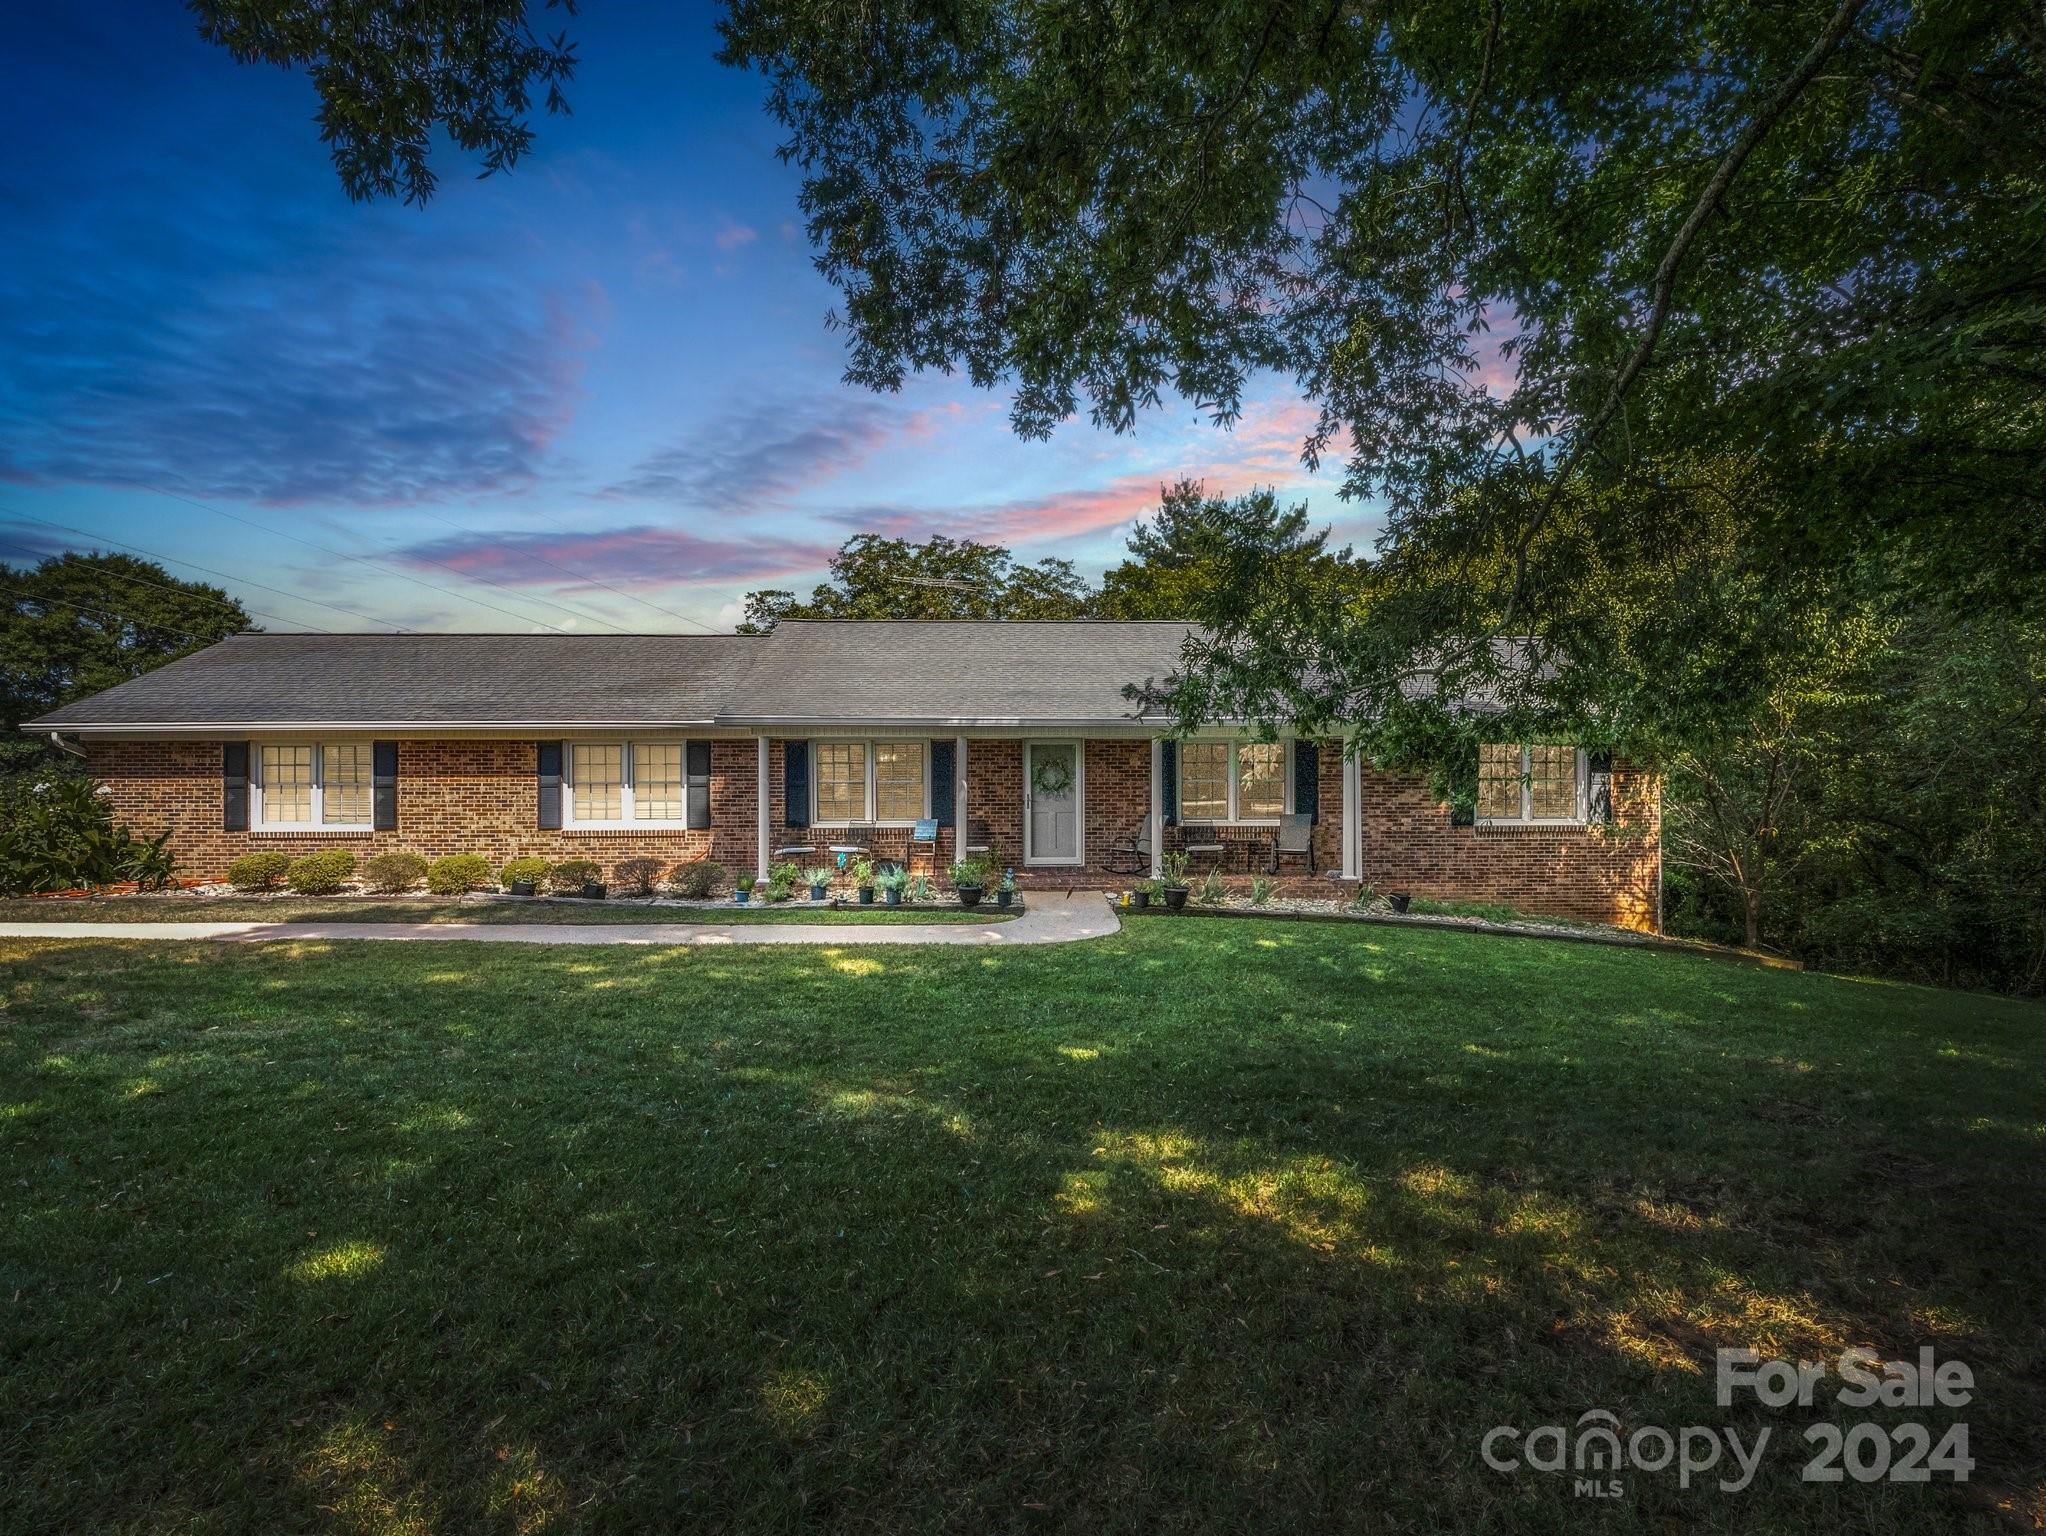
x=1174, y=865
x=969, y=879
x=891, y=882
x=782, y=881
x=863, y=881
x=1400, y=900
x=819, y=881
x=1140, y=895
x=742, y=886
x=522, y=877
x=580, y=876
x=1006, y=891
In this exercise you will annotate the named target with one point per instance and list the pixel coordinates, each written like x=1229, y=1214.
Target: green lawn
x=1203, y=1227
x=408, y=909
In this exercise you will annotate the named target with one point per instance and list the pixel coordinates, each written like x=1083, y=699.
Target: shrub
x=58, y=834
x=637, y=875
x=395, y=871
x=1261, y=890
x=700, y=879
x=573, y=874
x=322, y=873
x=1212, y=892
x=527, y=868
x=781, y=881
x=457, y=874
x=1174, y=865
x=258, y=871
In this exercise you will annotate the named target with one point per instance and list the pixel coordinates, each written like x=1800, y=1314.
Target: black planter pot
x=969, y=895
x=1400, y=900
x=595, y=890
x=817, y=892
x=866, y=895
x=1175, y=897
x=1002, y=898
x=1140, y=901
x=894, y=898
x=522, y=887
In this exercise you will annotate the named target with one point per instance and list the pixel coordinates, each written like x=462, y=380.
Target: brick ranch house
x=1016, y=740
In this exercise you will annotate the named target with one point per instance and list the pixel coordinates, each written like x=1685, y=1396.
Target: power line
x=118, y=618
x=523, y=618
x=531, y=597
x=198, y=597
x=297, y=597
x=706, y=628
x=594, y=581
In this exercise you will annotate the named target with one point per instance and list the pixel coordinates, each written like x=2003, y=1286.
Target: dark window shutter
x=1307, y=779
x=384, y=816
x=795, y=783
x=550, y=783
x=697, y=765
x=942, y=773
x=1598, y=788
x=234, y=786
x=1168, y=774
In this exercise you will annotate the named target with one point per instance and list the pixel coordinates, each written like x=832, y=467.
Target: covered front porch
x=1053, y=809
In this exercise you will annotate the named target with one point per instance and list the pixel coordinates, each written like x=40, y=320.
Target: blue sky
x=597, y=392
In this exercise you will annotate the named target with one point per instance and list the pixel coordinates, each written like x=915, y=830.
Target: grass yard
x=1203, y=1227
x=411, y=909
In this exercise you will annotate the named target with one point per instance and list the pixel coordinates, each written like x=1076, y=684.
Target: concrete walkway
x=1050, y=917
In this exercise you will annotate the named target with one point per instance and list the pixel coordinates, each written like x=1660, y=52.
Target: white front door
x=1051, y=802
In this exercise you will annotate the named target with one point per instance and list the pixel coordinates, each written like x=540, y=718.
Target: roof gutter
x=403, y=727
x=71, y=748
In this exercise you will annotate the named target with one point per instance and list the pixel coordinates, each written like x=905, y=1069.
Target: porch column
x=760, y=785
x=959, y=830
x=1157, y=807
x=1353, y=813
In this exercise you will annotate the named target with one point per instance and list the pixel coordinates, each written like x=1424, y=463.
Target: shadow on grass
x=1158, y=1232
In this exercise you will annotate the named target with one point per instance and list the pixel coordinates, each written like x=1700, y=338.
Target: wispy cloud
x=636, y=558
x=732, y=236
x=762, y=454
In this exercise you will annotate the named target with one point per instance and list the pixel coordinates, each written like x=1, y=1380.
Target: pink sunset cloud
x=635, y=558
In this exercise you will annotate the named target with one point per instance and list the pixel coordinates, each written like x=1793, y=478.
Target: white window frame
x=259, y=811
x=628, y=816
x=1527, y=818
x=866, y=744
x=1235, y=780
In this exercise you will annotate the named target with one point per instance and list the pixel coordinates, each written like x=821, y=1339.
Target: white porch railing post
x=760, y=784
x=1353, y=813
x=959, y=828
x=1157, y=807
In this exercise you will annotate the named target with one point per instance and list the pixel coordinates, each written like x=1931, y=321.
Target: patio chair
x=791, y=849
x=1296, y=837
x=1201, y=840
x=979, y=838
x=1131, y=855
x=923, y=838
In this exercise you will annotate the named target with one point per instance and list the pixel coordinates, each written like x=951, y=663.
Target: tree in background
x=1199, y=552
x=77, y=624
x=879, y=578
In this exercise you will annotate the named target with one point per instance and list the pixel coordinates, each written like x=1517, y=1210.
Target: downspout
x=57, y=740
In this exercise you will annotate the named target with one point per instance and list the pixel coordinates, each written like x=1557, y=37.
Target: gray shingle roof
x=805, y=672
x=428, y=679
x=954, y=672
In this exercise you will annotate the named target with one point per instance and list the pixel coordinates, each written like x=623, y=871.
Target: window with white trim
x=1234, y=781
x=1531, y=784
x=626, y=784
x=313, y=786
x=879, y=781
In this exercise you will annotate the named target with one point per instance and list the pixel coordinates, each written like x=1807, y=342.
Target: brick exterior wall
x=1607, y=874
x=482, y=797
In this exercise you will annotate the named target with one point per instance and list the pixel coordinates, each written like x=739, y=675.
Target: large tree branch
x=1708, y=203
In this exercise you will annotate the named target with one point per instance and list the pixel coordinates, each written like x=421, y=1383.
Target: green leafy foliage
x=390, y=79
x=969, y=873
x=879, y=578
x=571, y=875
x=529, y=867
x=701, y=879
x=59, y=834
x=458, y=873
x=262, y=871
x=395, y=871
x=1213, y=890
x=322, y=873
